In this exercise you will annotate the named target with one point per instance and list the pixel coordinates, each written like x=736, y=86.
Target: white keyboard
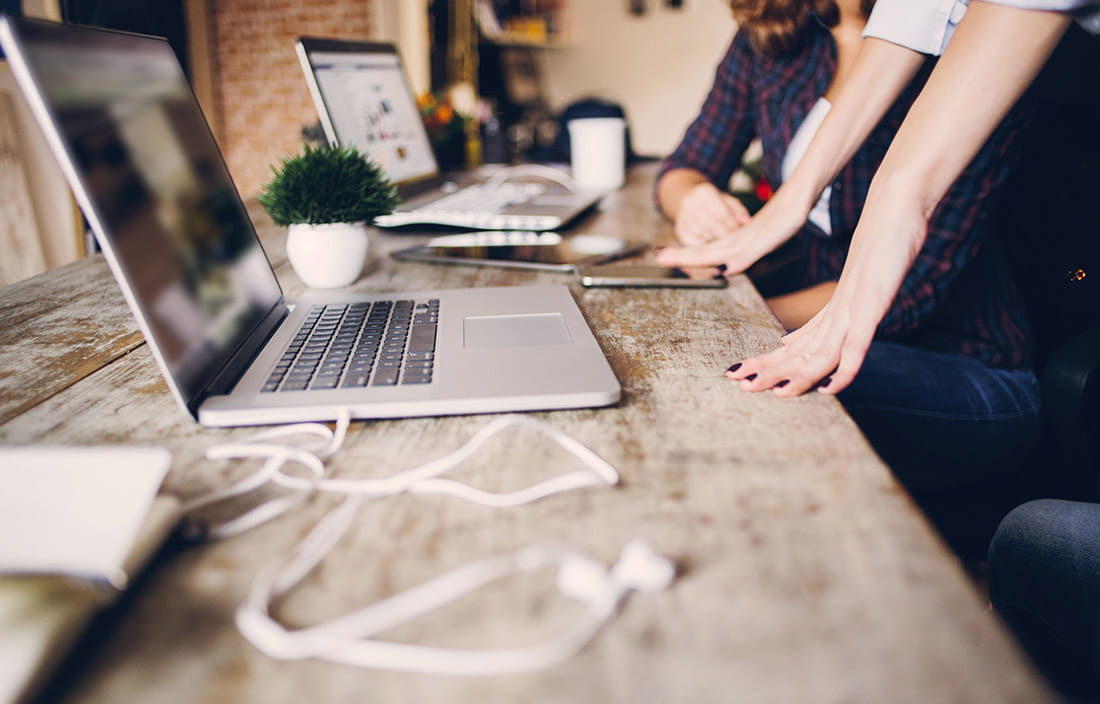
x=478, y=207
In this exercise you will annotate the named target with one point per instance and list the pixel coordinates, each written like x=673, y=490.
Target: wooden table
x=806, y=573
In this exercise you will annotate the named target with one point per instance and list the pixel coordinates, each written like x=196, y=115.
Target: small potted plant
x=326, y=197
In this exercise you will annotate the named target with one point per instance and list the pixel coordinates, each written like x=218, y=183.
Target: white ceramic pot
x=327, y=256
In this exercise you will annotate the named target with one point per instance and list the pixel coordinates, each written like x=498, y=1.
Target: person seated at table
x=947, y=395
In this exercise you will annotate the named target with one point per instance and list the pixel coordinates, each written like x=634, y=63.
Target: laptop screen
x=365, y=101
x=152, y=182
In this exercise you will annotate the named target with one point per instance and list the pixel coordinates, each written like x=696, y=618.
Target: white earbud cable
x=347, y=639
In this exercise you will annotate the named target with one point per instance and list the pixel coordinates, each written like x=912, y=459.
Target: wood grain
x=805, y=572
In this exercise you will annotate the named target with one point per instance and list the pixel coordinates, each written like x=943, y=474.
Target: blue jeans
x=943, y=420
x=1044, y=580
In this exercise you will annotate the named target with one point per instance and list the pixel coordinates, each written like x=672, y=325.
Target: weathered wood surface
x=806, y=574
x=59, y=327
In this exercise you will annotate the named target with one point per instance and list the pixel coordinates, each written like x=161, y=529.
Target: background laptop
x=136, y=150
x=364, y=100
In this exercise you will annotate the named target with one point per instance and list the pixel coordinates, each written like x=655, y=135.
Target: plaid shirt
x=958, y=297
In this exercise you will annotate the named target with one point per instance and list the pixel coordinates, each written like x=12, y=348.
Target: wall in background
x=405, y=23
x=261, y=94
x=658, y=65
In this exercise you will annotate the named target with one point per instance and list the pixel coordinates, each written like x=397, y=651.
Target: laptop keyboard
x=480, y=207
x=379, y=343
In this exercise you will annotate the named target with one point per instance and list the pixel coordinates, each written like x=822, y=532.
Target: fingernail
x=734, y=368
x=750, y=377
x=783, y=383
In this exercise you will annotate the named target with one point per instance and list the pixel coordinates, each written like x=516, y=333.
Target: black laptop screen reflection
x=163, y=195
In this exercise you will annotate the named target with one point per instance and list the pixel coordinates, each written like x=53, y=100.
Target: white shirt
x=797, y=149
x=921, y=25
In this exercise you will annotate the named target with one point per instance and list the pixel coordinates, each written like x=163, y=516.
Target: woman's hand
x=825, y=353
x=828, y=351
x=739, y=248
x=706, y=213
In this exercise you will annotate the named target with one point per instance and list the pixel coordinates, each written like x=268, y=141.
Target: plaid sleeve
x=716, y=139
x=956, y=230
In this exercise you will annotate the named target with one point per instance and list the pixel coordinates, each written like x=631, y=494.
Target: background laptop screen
x=370, y=107
x=159, y=192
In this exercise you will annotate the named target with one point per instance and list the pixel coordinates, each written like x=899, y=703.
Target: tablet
x=525, y=250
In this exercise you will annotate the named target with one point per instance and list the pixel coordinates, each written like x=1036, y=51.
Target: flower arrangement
x=327, y=185
x=446, y=129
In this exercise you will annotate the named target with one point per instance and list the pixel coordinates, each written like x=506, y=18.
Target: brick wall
x=262, y=96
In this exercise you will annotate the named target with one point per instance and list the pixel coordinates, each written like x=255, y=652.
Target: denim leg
x=943, y=420
x=1044, y=572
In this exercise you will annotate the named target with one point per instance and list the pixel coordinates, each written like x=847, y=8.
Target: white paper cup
x=598, y=152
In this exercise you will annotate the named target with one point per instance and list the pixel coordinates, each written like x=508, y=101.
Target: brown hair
x=776, y=26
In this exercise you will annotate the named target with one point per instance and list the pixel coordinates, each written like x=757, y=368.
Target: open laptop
x=133, y=143
x=365, y=101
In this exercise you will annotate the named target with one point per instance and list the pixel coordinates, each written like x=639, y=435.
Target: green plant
x=327, y=185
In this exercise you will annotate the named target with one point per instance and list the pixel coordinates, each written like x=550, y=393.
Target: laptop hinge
x=243, y=357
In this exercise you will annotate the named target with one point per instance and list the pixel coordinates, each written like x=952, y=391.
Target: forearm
x=992, y=58
x=673, y=187
x=995, y=54
x=881, y=71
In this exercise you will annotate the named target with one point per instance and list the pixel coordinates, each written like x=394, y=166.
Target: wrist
x=797, y=197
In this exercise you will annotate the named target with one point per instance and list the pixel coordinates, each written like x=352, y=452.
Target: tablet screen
x=522, y=249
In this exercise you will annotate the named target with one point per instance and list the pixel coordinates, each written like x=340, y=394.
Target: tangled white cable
x=348, y=639
x=425, y=479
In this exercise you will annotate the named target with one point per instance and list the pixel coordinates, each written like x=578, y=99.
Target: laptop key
x=385, y=377
x=422, y=338
x=355, y=381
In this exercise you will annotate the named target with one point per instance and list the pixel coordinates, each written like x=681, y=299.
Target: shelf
x=547, y=27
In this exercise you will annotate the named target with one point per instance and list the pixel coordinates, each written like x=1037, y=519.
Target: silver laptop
x=364, y=100
x=144, y=166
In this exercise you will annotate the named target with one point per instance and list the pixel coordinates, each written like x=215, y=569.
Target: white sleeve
x=921, y=25
x=1086, y=12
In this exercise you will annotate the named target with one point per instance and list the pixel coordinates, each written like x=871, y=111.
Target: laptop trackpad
x=515, y=331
